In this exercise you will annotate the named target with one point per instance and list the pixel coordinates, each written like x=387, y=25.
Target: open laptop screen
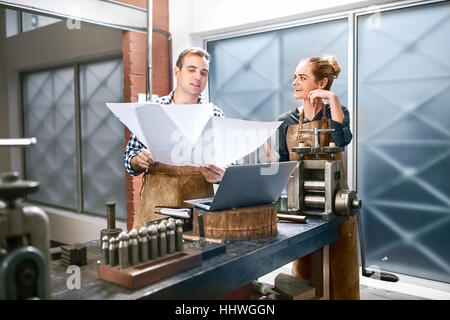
x=246, y=185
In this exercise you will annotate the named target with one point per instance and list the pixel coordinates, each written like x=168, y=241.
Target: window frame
x=352, y=84
x=309, y=19
x=75, y=65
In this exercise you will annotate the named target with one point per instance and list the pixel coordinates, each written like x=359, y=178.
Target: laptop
x=247, y=185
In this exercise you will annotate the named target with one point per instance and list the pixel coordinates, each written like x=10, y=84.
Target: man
x=170, y=185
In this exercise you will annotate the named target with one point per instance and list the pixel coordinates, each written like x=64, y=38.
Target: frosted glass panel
x=12, y=22
x=251, y=76
x=32, y=21
x=49, y=110
x=102, y=137
x=404, y=139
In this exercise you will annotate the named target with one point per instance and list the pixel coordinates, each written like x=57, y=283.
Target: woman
x=312, y=83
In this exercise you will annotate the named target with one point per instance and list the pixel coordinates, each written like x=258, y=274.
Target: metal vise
x=24, y=238
x=318, y=187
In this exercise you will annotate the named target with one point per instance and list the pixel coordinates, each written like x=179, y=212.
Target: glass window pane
x=12, y=22
x=251, y=76
x=404, y=139
x=32, y=21
x=102, y=137
x=49, y=115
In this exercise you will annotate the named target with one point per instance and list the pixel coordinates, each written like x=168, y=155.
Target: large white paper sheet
x=190, y=134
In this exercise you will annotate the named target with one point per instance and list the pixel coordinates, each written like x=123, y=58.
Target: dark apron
x=344, y=271
x=167, y=185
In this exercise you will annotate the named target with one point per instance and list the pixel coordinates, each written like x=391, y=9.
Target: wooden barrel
x=245, y=223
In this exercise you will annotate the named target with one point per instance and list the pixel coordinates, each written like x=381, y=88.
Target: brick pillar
x=134, y=50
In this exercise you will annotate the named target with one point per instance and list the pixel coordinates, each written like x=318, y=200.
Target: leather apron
x=167, y=185
x=344, y=270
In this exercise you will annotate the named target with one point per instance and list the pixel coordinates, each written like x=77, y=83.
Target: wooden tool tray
x=153, y=270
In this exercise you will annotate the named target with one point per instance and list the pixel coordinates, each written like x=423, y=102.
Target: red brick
x=134, y=52
x=136, y=3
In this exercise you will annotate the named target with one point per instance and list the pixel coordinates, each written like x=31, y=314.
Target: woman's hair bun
x=334, y=65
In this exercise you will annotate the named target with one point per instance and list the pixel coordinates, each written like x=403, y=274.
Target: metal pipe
x=316, y=138
x=292, y=217
x=170, y=64
x=111, y=214
x=149, y=49
x=79, y=138
x=17, y=142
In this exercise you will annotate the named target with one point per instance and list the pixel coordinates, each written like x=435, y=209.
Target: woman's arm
x=335, y=106
x=342, y=134
x=271, y=154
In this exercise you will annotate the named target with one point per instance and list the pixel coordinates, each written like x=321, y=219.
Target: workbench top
x=244, y=261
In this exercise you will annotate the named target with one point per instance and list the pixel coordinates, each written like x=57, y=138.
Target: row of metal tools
x=154, y=241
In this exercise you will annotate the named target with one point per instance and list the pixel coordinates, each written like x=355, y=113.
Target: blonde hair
x=325, y=67
x=194, y=50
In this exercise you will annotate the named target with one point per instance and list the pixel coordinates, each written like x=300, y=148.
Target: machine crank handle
x=384, y=276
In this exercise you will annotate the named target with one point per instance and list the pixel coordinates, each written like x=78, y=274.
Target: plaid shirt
x=134, y=146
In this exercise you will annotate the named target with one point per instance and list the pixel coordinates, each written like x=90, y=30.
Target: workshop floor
x=407, y=288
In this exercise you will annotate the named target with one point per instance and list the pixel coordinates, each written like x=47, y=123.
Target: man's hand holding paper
x=142, y=161
x=212, y=173
x=190, y=135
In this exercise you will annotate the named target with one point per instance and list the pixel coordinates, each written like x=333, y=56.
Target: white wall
x=69, y=227
x=192, y=21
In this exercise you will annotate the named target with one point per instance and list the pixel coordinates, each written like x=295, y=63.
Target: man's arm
x=134, y=152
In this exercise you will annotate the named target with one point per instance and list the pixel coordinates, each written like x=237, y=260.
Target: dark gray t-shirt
x=341, y=136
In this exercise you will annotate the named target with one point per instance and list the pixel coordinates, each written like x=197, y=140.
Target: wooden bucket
x=246, y=223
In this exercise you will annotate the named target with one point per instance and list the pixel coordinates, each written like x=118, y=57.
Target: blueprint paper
x=190, y=134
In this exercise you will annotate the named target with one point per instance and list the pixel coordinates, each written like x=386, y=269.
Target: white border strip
x=413, y=286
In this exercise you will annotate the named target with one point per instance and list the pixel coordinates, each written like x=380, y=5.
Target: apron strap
x=300, y=122
x=324, y=115
x=302, y=116
x=144, y=178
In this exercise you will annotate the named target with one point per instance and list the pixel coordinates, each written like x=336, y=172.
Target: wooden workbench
x=243, y=262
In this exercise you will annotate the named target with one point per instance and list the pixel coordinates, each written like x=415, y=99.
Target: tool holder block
x=151, y=271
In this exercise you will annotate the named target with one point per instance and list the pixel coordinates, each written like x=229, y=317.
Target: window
x=49, y=115
x=78, y=158
x=102, y=137
x=403, y=154
x=402, y=97
x=251, y=76
x=18, y=21
x=12, y=22
x=32, y=21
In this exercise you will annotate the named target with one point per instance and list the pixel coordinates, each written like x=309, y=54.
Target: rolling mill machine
x=318, y=187
x=24, y=237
